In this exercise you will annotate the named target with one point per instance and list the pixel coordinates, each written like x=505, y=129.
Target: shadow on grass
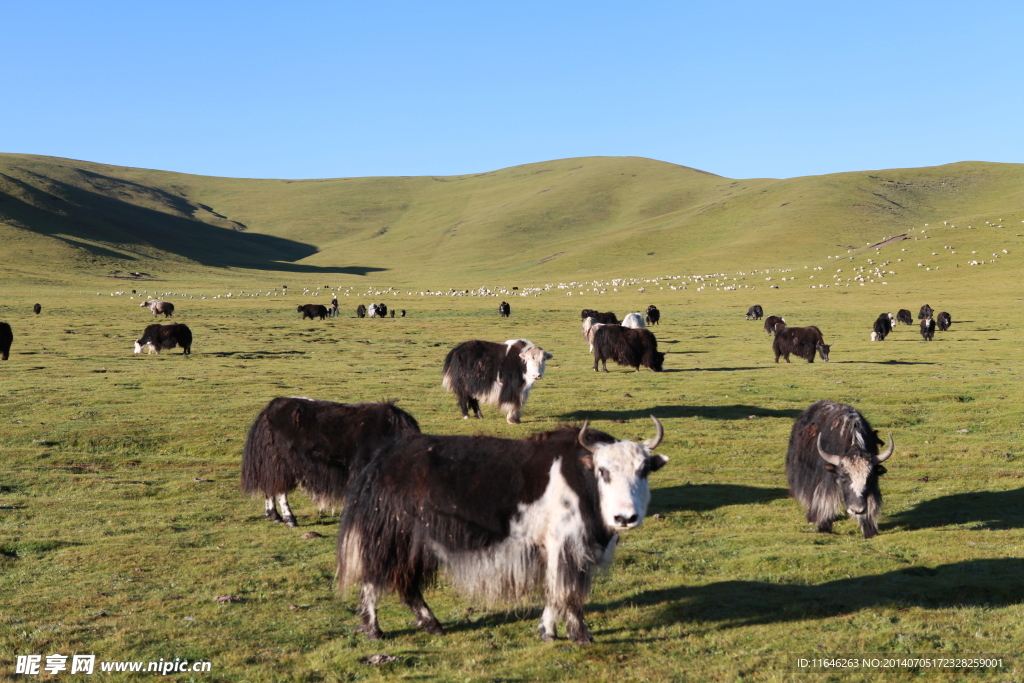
x=733, y=412
x=711, y=369
x=885, y=362
x=976, y=583
x=989, y=509
x=700, y=497
x=257, y=353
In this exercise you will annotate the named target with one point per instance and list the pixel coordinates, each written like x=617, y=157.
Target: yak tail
x=350, y=558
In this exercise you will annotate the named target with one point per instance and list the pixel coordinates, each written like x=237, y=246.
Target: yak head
x=657, y=361
x=855, y=469
x=823, y=350
x=621, y=470
x=534, y=357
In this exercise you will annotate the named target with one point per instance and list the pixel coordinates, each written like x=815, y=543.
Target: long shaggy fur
x=626, y=346
x=6, y=339
x=465, y=504
x=488, y=372
x=312, y=311
x=653, y=315
x=925, y=312
x=905, y=317
x=316, y=445
x=943, y=321
x=755, y=312
x=166, y=337
x=928, y=329
x=771, y=324
x=802, y=342
x=883, y=326
x=815, y=484
x=603, y=318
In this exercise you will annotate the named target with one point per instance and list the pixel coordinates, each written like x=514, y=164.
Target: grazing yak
x=158, y=307
x=382, y=310
x=905, y=317
x=634, y=321
x=360, y=311
x=833, y=464
x=503, y=516
x=925, y=312
x=504, y=310
x=626, y=346
x=801, y=342
x=312, y=311
x=498, y=374
x=6, y=339
x=403, y=313
x=773, y=323
x=755, y=312
x=882, y=327
x=37, y=309
x=603, y=318
x=156, y=337
x=928, y=328
x=943, y=321
x=653, y=315
x=317, y=446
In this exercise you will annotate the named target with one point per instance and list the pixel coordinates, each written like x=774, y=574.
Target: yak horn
x=882, y=457
x=827, y=457
x=582, y=438
x=653, y=442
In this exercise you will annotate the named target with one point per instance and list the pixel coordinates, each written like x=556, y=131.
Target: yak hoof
x=273, y=516
x=465, y=417
x=290, y=520
x=432, y=627
x=371, y=632
x=545, y=635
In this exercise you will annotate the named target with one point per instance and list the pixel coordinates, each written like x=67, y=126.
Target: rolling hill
x=570, y=218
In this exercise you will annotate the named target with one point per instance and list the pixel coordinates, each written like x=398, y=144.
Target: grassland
x=121, y=519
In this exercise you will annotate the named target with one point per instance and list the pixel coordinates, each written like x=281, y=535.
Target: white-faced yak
x=833, y=464
x=498, y=374
x=502, y=516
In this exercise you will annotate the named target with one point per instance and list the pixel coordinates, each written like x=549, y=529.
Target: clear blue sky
x=336, y=89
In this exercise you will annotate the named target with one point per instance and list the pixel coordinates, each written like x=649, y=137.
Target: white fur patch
x=539, y=534
x=622, y=483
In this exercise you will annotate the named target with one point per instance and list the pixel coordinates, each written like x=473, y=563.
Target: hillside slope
x=557, y=219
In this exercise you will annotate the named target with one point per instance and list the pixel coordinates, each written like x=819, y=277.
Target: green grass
x=121, y=519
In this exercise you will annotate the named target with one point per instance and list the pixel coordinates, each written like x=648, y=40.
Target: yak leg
x=464, y=406
x=575, y=628
x=547, y=625
x=475, y=405
x=286, y=512
x=425, y=619
x=271, y=510
x=368, y=597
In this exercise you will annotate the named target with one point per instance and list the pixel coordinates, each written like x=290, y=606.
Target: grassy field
x=121, y=519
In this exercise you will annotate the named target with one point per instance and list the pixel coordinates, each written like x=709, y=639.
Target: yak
x=6, y=339
x=833, y=464
x=317, y=446
x=504, y=310
x=156, y=337
x=158, y=307
x=801, y=342
x=882, y=327
x=653, y=315
x=772, y=323
x=498, y=374
x=626, y=346
x=905, y=317
x=634, y=320
x=503, y=516
x=603, y=318
x=312, y=311
x=755, y=312
x=928, y=328
x=925, y=312
x=943, y=321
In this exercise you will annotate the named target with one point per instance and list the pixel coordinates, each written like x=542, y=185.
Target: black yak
x=833, y=464
x=882, y=327
x=360, y=311
x=626, y=346
x=603, y=318
x=928, y=328
x=37, y=309
x=157, y=337
x=925, y=312
x=755, y=312
x=801, y=342
x=312, y=311
x=773, y=323
x=317, y=446
x=905, y=317
x=6, y=339
x=943, y=321
x=504, y=310
x=653, y=315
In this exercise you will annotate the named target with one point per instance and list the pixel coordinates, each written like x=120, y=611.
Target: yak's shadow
x=989, y=509
x=975, y=583
x=731, y=412
x=700, y=497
